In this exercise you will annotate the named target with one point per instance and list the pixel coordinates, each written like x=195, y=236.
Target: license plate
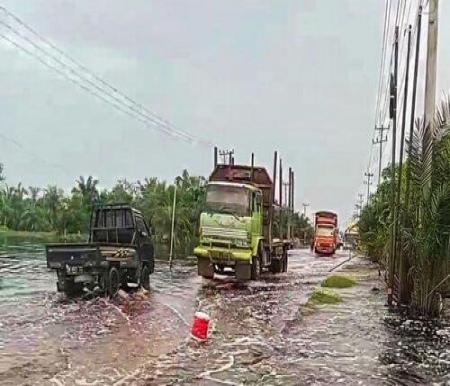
x=73, y=269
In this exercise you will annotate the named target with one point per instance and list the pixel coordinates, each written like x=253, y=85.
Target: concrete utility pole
x=381, y=138
x=402, y=271
x=430, y=81
x=358, y=208
x=368, y=182
x=172, y=232
x=413, y=101
x=280, y=185
x=393, y=116
x=305, y=205
x=361, y=200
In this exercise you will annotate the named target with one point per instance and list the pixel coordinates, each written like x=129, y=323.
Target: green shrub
x=336, y=281
x=323, y=297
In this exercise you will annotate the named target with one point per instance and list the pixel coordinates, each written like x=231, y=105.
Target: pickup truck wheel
x=72, y=289
x=256, y=268
x=113, y=284
x=285, y=262
x=145, y=278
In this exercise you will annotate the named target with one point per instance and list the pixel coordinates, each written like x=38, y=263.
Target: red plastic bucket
x=200, y=326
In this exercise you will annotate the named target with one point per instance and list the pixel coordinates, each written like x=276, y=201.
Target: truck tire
x=285, y=262
x=71, y=289
x=145, y=278
x=256, y=268
x=205, y=268
x=113, y=282
x=276, y=266
x=243, y=271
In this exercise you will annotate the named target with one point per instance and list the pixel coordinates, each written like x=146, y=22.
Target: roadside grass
x=321, y=296
x=337, y=281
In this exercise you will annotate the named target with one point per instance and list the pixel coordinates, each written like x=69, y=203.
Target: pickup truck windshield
x=228, y=199
x=325, y=230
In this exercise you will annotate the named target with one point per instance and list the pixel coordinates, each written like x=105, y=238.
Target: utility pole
x=393, y=116
x=413, y=101
x=172, y=235
x=402, y=135
x=361, y=200
x=402, y=263
x=289, y=201
x=368, y=182
x=358, y=208
x=381, y=138
x=227, y=156
x=305, y=205
x=280, y=184
x=430, y=80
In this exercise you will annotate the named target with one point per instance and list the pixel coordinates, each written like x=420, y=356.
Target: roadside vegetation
x=338, y=281
x=50, y=211
x=56, y=214
x=323, y=296
x=423, y=243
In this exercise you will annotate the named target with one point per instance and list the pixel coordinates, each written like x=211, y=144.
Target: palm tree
x=52, y=200
x=87, y=187
x=34, y=191
x=427, y=230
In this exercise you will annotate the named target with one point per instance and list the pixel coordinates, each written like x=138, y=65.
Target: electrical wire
x=104, y=90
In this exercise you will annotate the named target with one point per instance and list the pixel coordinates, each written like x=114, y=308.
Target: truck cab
x=119, y=251
x=235, y=224
x=326, y=233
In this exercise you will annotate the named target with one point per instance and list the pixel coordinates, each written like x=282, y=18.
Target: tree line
x=422, y=232
x=50, y=209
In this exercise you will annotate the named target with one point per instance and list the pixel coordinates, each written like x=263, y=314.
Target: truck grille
x=224, y=233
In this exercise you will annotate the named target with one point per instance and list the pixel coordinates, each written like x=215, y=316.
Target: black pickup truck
x=119, y=251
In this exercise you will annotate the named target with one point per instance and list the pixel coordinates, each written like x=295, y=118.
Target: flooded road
x=262, y=333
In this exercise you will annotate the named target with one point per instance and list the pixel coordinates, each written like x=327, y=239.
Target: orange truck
x=326, y=233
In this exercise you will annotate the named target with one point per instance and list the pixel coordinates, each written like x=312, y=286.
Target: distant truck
x=119, y=251
x=237, y=233
x=326, y=233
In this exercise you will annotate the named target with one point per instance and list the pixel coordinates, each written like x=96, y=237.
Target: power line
x=85, y=69
x=134, y=110
x=32, y=154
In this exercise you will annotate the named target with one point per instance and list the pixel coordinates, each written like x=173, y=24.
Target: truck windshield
x=228, y=199
x=325, y=230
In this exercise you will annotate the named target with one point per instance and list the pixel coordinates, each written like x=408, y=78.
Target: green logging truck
x=237, y=224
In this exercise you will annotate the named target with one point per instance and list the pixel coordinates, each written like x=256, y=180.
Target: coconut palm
x=425, y=231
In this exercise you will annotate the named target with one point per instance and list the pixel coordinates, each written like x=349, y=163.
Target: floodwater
x=262, y=332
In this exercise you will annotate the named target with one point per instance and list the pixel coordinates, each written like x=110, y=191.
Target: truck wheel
x=285, y=263
x=72, y=289
x=113, y=284
x=256, y=268
x=145, y=278
x=276, y=266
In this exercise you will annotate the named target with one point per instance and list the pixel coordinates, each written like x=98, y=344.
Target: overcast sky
x=297, y=76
